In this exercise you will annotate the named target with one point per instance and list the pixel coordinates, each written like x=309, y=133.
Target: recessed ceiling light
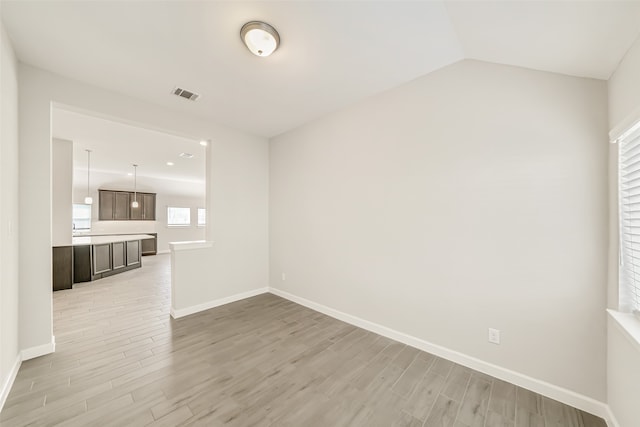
x=129, y=174
x=204, y=143
x=260, y=38
x=186, y=155
x=169, y=163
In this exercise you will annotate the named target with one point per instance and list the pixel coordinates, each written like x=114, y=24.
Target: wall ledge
x=629, y=324
x=188, y=246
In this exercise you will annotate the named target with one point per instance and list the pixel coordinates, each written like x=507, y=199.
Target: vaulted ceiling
x=333, y=53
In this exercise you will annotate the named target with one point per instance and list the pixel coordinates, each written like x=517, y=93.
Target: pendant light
x=88, y=200
x=135, y=203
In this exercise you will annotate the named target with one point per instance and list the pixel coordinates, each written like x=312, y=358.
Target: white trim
x=166, y=251
x=629, y=324
x=181, y=312
x=6, y=387
x=552, y=391
x=41, y=350
x=187, y=246
x=610, y=418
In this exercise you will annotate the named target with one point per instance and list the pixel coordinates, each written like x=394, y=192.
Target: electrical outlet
x=284, y=276
x=494, y=336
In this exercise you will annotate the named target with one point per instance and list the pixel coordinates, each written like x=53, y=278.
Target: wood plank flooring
x=264, y=361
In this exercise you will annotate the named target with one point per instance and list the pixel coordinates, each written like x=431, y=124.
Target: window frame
x=203, y=224
x=74, y=218
x=178, y=225
x=628, y=241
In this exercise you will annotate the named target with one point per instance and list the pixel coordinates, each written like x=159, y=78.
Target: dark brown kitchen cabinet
x=146, y=209
x=81, y=264
x=137, y=213
x=148, y=206
x=121, y=208
x=133, y=252
x=106, y=203
x=101, y=258
x=150, y=246
x=118, y=253
x=92, y=262
x=62, y=267
x=116, y=206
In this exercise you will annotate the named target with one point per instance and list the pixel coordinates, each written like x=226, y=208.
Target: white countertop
x=98, y=240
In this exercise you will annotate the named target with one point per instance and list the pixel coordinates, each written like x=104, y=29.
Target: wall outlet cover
x=494, y=336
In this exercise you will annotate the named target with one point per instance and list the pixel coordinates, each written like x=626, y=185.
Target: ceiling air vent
x=191, y=96
x=186, y=155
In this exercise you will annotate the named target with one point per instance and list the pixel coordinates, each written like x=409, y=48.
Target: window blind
x=629, y=210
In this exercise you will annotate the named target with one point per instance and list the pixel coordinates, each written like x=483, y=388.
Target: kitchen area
x=120, y=193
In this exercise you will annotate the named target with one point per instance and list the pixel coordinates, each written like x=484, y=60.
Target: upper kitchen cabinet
x=146, y=209
x=116, y=206
x=121, y=206
x=113, y=205
x=106, y=204
x=149, y=206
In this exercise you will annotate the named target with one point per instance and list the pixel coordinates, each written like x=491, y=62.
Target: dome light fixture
x=260, y=38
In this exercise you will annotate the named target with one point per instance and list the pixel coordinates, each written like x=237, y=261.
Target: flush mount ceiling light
x=260, y=38
x=88, y=200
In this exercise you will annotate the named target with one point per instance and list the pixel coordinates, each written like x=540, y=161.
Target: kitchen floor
x=264, y=361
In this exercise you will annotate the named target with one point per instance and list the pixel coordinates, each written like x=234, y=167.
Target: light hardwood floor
x=264, y=361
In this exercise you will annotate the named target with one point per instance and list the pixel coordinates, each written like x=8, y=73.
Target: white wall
x=61, y=184
x=168, y=234
x=623, y=374
x=9, y=349
x=624, y=90
x=237, y=197
x=623, y=361
x=470, y=198
x=191, y=293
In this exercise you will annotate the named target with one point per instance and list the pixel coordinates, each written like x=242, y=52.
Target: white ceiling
x=578, y=38
x=116, y=147
x=333, y=53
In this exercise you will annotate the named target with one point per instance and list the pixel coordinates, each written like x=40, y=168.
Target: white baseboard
x=181, y=312
x=41, y=350
x=8, y=383
x=544, y=388
x=611, y=418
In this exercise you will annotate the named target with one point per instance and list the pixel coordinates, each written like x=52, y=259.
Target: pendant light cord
x=88, y=171
x=135, y=183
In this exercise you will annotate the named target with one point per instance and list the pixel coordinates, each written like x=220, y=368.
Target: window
x=629, y=211
x=178, y=216
x=202, y=217
x=81, y=217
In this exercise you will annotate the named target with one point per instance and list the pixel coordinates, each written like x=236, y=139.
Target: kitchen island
x=95, y=257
